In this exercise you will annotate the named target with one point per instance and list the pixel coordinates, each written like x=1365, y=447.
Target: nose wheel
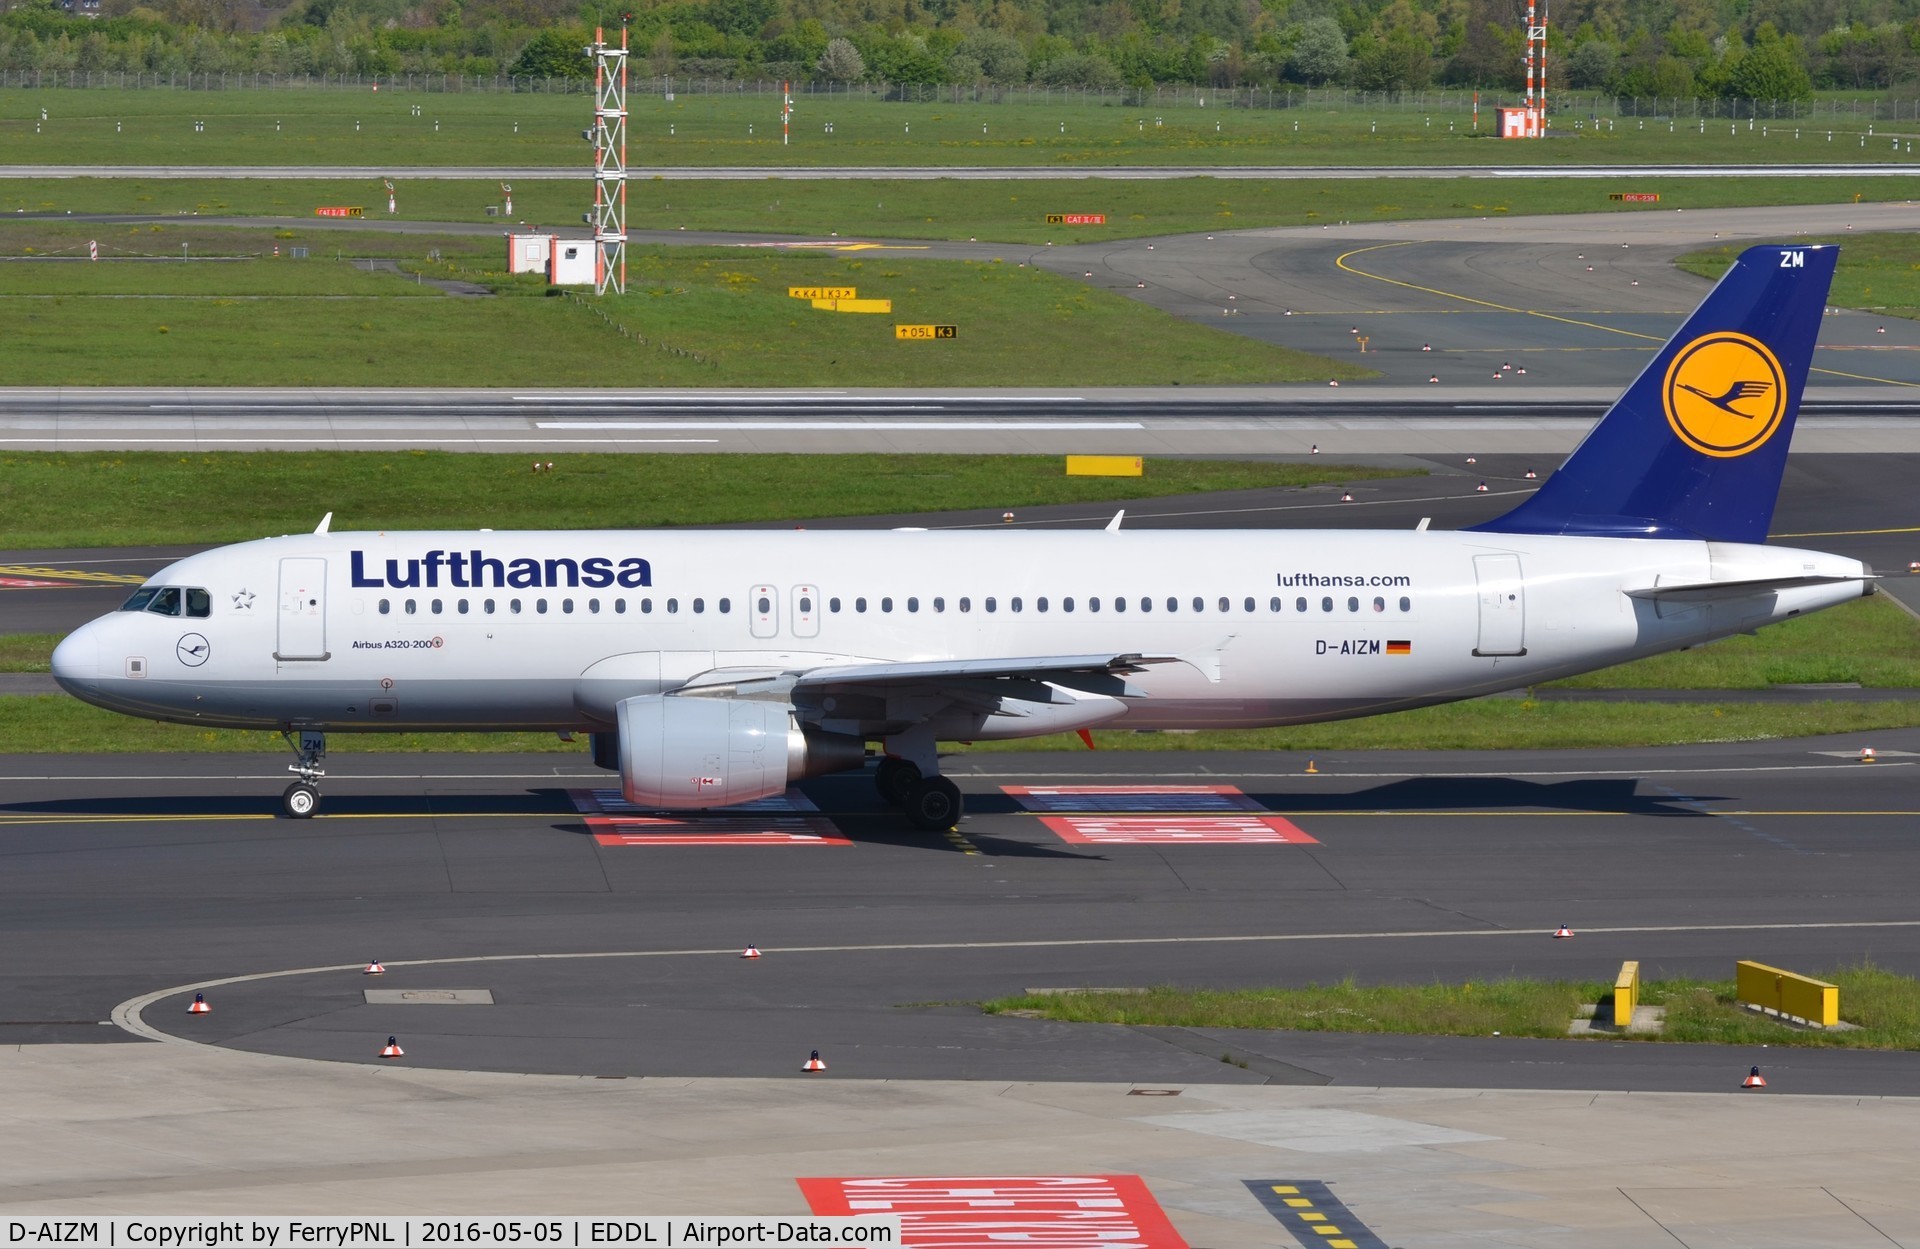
x=302, y=797
x=300, y=800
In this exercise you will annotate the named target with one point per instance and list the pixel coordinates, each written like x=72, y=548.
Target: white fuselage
x=390, y=631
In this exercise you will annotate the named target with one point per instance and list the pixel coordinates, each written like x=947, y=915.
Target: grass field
x=1884, y=1003
x=999, y=211
x=1880, y=272
x=111, y=498
x=291, y=127
x=703, y=317
x=57, y=724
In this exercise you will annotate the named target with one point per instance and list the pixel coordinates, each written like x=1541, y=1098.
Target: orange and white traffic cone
x=1346, y=496
x=1754, y=1080
x=1867, y=755
x=1481, y=488
x=392, y=1049
x=1532, y=476
x=752, y=951
x=1473, y=459
x=1562, y=932
x=199, y=1006
x=1434, y=377
x=375, y=968
x=814, y=1062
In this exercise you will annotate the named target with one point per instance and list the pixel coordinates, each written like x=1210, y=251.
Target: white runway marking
x=128, y=1013
x=847, y=425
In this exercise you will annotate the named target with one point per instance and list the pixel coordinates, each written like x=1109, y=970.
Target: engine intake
x=682, y=753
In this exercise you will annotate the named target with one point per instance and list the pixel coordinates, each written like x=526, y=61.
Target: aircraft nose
x=76, y=661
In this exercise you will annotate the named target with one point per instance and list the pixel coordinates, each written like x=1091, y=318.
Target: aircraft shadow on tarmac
x=1608, y=795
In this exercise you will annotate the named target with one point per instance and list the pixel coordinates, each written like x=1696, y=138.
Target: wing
x=1044, y=692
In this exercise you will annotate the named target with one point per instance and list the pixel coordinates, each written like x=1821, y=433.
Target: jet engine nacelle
x=681, y=753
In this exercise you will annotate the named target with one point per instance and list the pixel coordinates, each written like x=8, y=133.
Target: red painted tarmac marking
x=998, y=1211
x=1131, y=798
x=1177, y=830
x=28, y=583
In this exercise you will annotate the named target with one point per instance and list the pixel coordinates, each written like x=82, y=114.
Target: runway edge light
x=199, y=1006
x=375, y=968
x=392, y=1049
x=1754, y=1080
x=752, y=951
x=814, y=1062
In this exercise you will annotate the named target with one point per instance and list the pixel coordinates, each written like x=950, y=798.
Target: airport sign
x=926, y=331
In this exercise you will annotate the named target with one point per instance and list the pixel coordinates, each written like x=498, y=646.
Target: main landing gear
x=931, y=802
x=302, y=797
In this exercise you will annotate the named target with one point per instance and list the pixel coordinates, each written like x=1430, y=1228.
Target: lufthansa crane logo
x=1725, y=394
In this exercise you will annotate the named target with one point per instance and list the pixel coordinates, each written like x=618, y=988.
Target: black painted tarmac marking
x=1309, y=1210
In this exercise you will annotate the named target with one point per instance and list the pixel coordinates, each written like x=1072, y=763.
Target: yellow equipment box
x=1803, y=997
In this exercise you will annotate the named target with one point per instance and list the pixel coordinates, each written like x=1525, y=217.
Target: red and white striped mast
x=609, y=162
x=1536, y=73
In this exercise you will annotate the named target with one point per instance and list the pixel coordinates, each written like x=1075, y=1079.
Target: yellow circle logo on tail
x=1725, y=394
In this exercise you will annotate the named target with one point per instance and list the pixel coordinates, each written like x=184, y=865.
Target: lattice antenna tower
x=609, y=162
x=1537, y=70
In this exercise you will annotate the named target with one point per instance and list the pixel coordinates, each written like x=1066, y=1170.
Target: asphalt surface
x=169, y=871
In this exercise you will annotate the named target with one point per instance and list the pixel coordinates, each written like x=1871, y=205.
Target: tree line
x=1748, y=49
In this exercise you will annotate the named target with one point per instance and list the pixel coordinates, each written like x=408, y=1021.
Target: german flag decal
x=1400, y=647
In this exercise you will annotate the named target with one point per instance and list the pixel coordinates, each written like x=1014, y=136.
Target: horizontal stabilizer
x=1705, y=591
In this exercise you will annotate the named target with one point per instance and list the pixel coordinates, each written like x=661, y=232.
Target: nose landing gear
x=302, y=797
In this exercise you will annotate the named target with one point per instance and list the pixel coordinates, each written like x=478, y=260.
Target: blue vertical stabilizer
x=1696, y=446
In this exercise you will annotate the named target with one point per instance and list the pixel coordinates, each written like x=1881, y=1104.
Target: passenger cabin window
x=1326, y=604
x=1066, y=604
x=939, y=604
x=1406, y=604
x=386, y=606
x=699, y=605
x=566, y=605
x=673, y=606
x=966, y=604
x=1040, y=604
x=886, y=604
x=619, y=607
x=1300, y=604
x=913, y=604
x=992, y=604
x=412, y=607
x=1199, y=604
x=1379, y=604
x=1225, y=605
x=726, y=605
x=1247, y=603
x=860, y=604
x=487, y=606
x=1353, y=603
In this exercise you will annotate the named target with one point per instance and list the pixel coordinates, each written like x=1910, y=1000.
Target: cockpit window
x=169, y=600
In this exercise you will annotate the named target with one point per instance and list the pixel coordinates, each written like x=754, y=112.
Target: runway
x=1532, y=325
